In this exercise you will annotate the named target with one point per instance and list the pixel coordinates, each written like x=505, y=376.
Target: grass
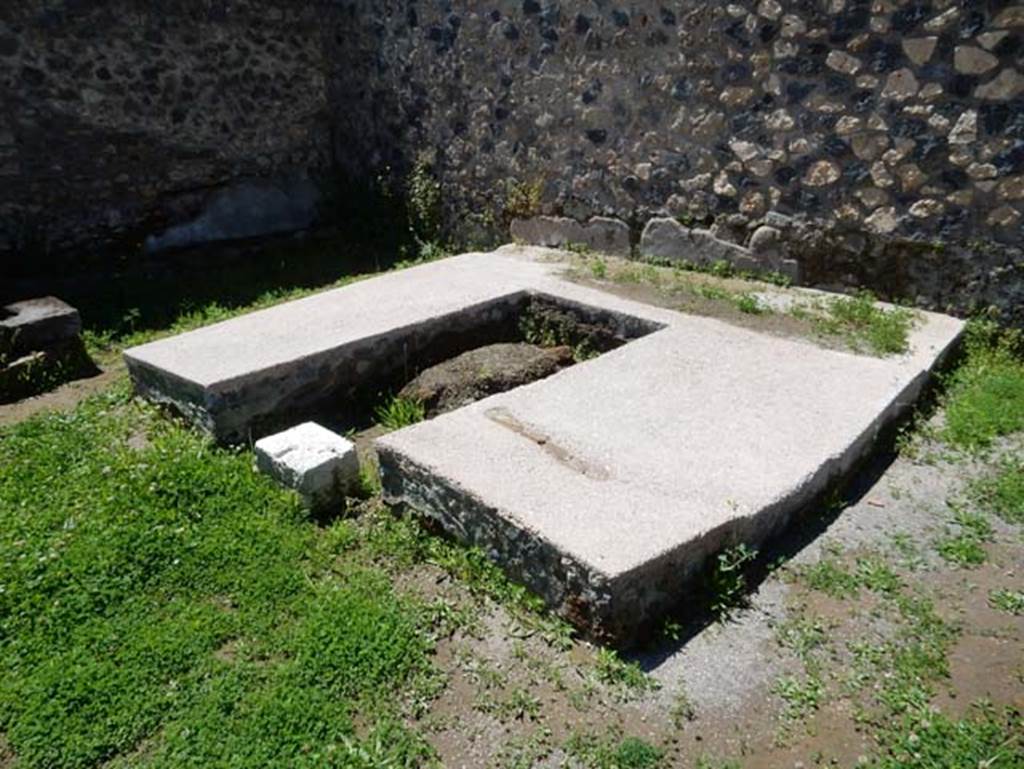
x=898, y=675
x=396, y=413
x=166, y=606
x=611, y=669
x=802, y=695
x=1009, y=601
x=925, y=739
x=965, y=547
x=857, y=322
x=172, y=603
x=1002, y=491
x=613, y=752
x=985, y=395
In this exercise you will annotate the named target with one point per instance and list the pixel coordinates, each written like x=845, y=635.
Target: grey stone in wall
x=246, y=209
x=602, y=234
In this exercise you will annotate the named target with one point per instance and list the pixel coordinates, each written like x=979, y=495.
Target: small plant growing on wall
x=523, y=199
x=423, y=193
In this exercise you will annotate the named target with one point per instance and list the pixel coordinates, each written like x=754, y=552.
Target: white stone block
x=317, y=463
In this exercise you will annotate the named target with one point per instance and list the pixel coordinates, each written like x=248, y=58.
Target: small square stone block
x=36, y=324
x=317, y=463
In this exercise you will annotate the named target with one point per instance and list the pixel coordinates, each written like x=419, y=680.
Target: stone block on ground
x=36, y=324
x=320, y=465
x=602, y=234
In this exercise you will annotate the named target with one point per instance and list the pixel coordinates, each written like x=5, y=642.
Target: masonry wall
x=884, y=138
x=118, y=118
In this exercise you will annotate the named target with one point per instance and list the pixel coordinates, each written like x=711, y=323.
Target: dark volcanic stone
x=485, y=371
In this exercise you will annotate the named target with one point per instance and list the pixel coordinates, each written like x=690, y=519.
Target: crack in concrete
x=503, y=417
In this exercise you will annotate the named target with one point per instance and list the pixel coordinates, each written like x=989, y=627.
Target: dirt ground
x=67, y=396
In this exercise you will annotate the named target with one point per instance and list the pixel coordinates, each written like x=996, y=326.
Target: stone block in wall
x=608, y=236
x=666, y=239
x=247, y=209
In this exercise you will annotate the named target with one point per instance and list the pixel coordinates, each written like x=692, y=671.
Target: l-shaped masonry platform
x=606, y=487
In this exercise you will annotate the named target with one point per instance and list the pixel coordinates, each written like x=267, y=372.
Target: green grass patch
x=985, y=395
x=861, y=323
x=170, y=607
x=925, y=739
x=1009, y=601
x=802, y=695
x=965, y=546
x=396, y=413
x=611, y=669
x=1002, y=492
x=613, y=752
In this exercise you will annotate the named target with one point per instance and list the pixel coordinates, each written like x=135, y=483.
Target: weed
x=526, y=752
x=580, y=249
x=801, y=695
x=707, y=762
x=750, y=305
x=862, y=323
x=423, y=201
x=396, y=413
x=1009, y=601
x=803, y=635
x=612, y=669
x=682, y=709
x=369, y=481
x=828, y=576
x=727, y=582
x=712, y=292
x=599, y=268
x=722, y=268
x=924, y=738
x=520, y=705
x=671, y=630
x=523, y=199
x=875, y=574
x=613, y=752
x=966, y=547
x=1002, y=492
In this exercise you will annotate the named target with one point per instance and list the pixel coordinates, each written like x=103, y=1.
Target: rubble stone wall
x=118, y=118
x=883, y=139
